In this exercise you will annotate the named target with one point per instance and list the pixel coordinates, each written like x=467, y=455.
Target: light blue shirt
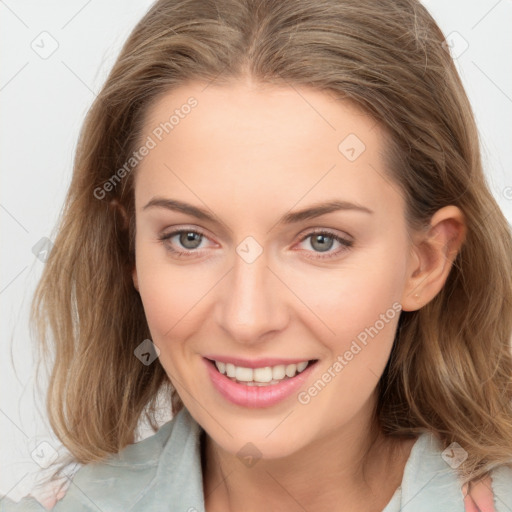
x=163, y=473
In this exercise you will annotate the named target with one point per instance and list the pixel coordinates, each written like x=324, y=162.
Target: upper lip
x=256, y=363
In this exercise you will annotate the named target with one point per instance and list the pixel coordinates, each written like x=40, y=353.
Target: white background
x=43, y=103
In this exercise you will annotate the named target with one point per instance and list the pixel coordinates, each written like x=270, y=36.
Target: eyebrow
x=311, y=212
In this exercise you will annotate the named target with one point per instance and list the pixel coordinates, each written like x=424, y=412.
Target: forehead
x=265, y=143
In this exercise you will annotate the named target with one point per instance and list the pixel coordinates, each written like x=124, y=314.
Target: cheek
x=363, y=320
x=363, y=297
x=355, y=295
x=359, y=301
x=362, y=308
x=167, y=301
x=173, y=295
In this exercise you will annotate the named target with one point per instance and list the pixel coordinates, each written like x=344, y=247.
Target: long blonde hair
x=450, y=369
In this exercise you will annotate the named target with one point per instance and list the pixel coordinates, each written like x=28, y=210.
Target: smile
x=260, y=386
x=267, y=375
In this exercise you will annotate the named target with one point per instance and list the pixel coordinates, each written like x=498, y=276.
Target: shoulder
x=431, y=476
x=501, y=481
x=119, y=479
x=110, y=483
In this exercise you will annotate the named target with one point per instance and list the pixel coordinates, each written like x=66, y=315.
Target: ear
x=433, y=253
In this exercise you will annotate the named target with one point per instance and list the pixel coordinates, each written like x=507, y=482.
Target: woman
x=278, y=218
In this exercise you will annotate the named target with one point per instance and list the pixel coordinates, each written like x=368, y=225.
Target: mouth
x=258, y=386
x=261, y=376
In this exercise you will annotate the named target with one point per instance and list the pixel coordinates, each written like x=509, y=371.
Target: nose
x=252, y=304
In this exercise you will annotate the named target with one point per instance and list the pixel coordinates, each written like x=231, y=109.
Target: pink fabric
x=52, y=493
x=480, y=497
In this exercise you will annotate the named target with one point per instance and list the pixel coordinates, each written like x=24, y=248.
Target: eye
x=186, y=242
x=323, y=241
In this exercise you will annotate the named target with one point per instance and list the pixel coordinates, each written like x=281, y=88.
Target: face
x=248, y=281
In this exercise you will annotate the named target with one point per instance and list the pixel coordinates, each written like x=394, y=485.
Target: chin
x=266, y=439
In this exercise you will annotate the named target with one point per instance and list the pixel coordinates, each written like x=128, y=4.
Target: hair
x=450, y=368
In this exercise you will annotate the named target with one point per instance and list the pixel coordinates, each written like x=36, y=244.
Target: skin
x=249, y=154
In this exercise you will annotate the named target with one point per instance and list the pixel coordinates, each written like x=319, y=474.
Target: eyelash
x=346, y=244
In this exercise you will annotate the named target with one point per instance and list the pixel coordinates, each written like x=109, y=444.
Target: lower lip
x=256, y=396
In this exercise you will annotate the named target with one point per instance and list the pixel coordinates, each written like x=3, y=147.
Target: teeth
x=260, y=376
x=230, y=369
x=278, y=372
x=290, y=370
x=243, y=374
x=302, y=366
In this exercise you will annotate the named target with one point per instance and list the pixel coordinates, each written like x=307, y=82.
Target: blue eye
x=189, y=243
x=189, y=239
x=323, y=241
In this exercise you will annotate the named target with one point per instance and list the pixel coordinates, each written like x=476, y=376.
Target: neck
x=351, y=468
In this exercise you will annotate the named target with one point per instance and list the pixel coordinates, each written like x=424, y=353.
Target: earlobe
x=433, y=255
